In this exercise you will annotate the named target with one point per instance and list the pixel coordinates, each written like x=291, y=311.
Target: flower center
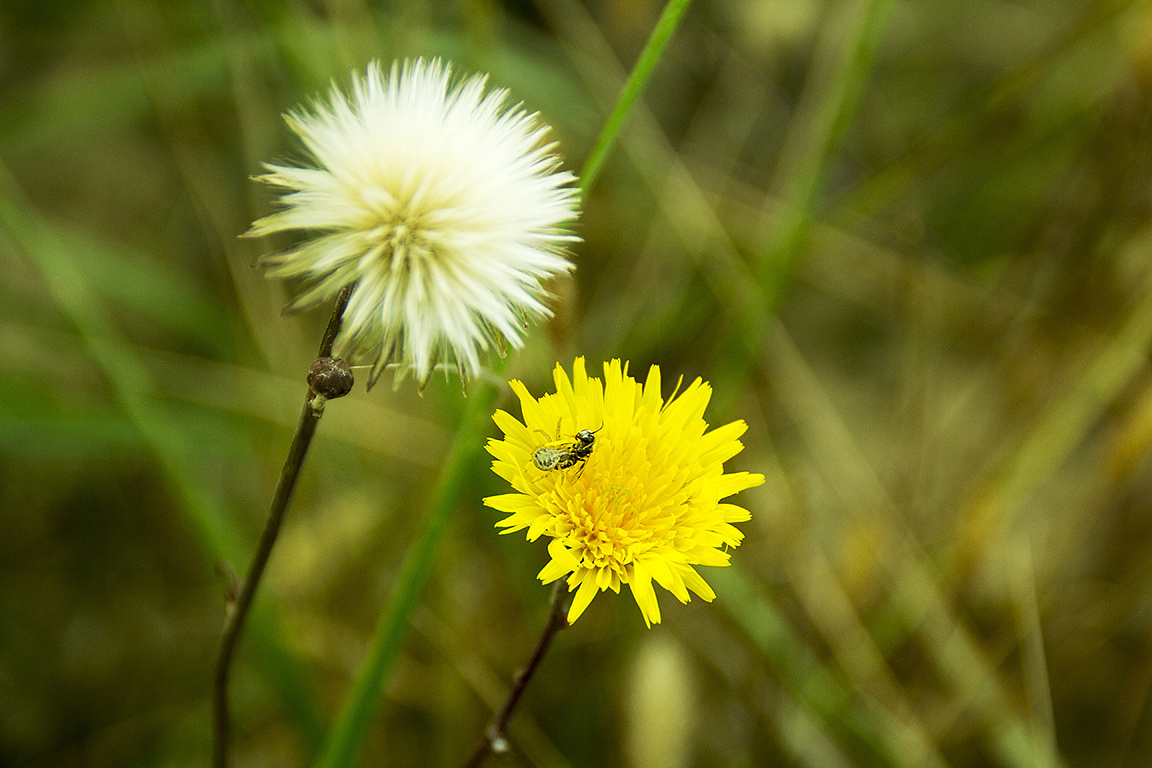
x=398, y=239
x=611, y=516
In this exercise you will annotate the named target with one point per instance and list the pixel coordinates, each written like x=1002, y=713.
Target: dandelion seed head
x=446, y=207
x=647, y=504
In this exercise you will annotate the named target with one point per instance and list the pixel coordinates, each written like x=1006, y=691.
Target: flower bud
x=330, y=378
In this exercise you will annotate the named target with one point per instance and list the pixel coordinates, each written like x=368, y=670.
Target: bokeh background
x=909, y=242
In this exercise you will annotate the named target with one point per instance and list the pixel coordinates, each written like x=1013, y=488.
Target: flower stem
x=494, y=735
x=237, y=610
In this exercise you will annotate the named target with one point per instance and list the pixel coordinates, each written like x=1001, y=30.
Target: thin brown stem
x=494, y=735
x=237, y=610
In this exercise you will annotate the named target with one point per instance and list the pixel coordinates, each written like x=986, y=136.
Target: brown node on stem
x=330, y=377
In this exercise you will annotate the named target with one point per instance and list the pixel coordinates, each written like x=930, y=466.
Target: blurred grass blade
x=132, y=385
x=829, y=605
x=807, y=742
x=815, y=688
x=828, y=106
x=160, y=292
x=129, y=379
x=1065, y=424
x=1035, y=662
x=649, y=57
x=832, y=92
x=917, y=596
x=345, y=741
x=90, y=101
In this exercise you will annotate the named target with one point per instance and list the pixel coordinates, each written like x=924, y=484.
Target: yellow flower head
x=640, y=502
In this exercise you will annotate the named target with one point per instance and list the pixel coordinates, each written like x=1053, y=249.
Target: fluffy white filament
x=445, y=207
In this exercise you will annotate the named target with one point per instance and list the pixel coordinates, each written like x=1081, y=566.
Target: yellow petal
x=583, y=598
x=645, y=596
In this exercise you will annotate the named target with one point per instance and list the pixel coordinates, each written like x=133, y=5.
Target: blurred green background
x=909, y=242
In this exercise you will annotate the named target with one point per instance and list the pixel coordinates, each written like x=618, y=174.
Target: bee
x=560, y=454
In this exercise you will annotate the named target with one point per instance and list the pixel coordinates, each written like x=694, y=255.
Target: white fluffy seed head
x=447, y=208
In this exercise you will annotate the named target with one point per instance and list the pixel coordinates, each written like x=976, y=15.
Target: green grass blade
x=344, y=743
x=649, y=57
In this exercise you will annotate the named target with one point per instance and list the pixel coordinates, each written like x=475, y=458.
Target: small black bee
x=561, y=454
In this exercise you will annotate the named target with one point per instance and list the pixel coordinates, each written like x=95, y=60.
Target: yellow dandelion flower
x=634, y=500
